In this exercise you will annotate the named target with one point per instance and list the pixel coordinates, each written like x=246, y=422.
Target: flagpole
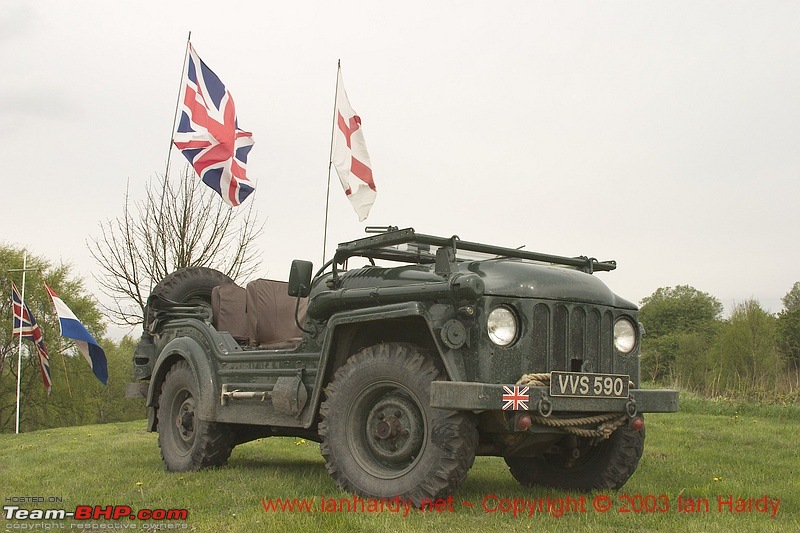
x=19, y=350
x=177, y=105
x=169, y=154
x=330, y=161
x=64, y=362
x=24, y=271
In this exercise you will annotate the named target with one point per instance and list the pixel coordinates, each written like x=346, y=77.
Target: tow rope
x=607, y=423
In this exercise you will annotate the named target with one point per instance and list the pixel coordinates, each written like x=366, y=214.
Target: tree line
x=78, y=397
x=751, y=355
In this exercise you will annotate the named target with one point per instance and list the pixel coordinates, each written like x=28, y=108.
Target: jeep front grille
x=572, y=338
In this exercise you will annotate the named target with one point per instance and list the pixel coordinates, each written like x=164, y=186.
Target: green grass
x=702, y=452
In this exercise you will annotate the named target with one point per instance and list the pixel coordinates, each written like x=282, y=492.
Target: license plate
x=585, y=385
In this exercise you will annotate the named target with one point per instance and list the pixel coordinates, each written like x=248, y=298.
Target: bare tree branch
x=179, y=224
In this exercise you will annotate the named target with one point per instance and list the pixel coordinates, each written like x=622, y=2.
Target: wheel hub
x=184, y=420
x=389, y=428
x=395, y=430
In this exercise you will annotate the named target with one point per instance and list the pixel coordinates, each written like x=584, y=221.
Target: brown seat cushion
x=270, y=314
x=228, y=304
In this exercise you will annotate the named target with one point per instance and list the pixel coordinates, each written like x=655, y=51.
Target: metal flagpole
x=24, y=270
x=330, y=161
x=177, y=105
x=64, y=362
x=19, y=351
x=169, y=155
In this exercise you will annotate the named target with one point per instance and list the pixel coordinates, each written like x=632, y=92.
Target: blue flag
x=72, y=328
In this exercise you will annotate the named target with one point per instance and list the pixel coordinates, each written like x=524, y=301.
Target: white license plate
x=586, y=385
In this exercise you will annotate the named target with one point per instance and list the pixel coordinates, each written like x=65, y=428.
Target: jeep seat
x=228, y=305
x=270, y=315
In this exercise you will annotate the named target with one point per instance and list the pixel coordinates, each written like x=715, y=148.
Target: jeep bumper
x=469, y=396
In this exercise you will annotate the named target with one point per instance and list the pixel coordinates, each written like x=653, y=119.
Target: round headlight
x=502, y=326
x=624, y=335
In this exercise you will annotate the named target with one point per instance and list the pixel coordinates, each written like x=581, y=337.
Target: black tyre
x=381, y=438
x=188, y=443
x=191, y=285
x=603, y=466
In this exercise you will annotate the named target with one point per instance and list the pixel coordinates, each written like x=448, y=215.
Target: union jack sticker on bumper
x=515, y=398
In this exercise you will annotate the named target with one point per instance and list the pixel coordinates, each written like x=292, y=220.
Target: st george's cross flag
x=26, y=327
x=72, y=328
x=208, y=132
x=349, y=155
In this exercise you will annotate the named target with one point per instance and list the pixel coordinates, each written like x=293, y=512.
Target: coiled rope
x=607, y=423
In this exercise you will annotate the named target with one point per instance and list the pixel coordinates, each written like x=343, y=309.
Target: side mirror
x=300, y=278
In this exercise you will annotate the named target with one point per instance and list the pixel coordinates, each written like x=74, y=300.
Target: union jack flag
x=208, y=133
x=515, y=398
x=25, y=325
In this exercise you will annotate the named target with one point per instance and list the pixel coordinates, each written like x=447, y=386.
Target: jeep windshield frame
x=386, y=246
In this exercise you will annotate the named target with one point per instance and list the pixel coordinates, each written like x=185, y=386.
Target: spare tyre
x=192, y=286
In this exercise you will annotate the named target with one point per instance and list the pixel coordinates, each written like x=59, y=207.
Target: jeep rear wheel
x=601, y=466
x=381, y=438
x=186, y=441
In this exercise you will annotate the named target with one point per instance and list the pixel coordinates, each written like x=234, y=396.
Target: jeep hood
x=517, y=278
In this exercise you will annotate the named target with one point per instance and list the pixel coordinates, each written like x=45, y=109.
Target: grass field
x=707, y=452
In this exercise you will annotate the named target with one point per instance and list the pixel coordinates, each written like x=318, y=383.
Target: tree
x=675, y=319
x=179, y=224
x=679, y=309
x=746, y=350
x=789, y=327
x=791, y=302
x=694, y=366
x=69, y=370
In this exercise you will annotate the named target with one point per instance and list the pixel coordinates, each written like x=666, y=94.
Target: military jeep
x=405, y=356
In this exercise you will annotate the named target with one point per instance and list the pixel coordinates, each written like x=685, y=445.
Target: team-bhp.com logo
x=94, y=512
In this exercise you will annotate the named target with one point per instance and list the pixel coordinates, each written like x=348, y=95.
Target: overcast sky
x=665, y=135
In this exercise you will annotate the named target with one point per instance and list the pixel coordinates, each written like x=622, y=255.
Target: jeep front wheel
x=186, y=441
x=381, y=438
x=581, y=464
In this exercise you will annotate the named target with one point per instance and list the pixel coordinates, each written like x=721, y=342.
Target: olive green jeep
x=430, y=351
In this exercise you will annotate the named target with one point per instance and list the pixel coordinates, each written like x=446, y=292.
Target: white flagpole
x=330, y=160
x=22, y=314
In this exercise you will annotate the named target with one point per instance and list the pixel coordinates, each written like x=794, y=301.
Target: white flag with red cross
x=350, y=157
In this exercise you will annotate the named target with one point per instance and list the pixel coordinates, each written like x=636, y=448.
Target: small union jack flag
x=208, y=133
x=25, y=325
x=515, y=398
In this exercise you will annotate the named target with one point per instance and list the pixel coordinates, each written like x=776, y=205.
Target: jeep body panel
x=220, y=365
x=518, y=278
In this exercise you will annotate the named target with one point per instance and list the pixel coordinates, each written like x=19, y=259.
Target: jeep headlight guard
x=502, y=326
